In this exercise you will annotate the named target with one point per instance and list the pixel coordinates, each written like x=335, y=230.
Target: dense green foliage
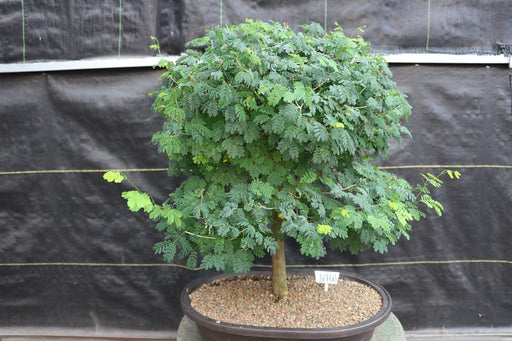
x=261, y=120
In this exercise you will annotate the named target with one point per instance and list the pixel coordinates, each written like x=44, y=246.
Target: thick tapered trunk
x=279, y=284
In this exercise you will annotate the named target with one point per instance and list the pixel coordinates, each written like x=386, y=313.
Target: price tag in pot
x=327, y=277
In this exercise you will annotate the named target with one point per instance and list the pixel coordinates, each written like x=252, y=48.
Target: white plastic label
x=327, y=277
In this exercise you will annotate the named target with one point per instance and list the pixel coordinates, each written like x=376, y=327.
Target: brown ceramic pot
x=211, y=330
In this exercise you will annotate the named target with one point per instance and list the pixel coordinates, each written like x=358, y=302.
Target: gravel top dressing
x=248, y=300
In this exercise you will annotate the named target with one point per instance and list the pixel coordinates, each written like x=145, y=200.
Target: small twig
x=320, y=84
x=196, y=235
x=239, y=233
x=349, y=187
x=265, y=207
x=295, y=196
x=132, y=183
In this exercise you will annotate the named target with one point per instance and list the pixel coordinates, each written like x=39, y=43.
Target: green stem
x=131, y=182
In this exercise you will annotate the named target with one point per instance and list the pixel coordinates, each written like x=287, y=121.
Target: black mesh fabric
x=73, y=256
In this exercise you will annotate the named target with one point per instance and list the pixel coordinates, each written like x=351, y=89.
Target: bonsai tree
x=275, y=132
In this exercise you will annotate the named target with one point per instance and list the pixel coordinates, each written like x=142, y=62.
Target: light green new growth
x=113, y=176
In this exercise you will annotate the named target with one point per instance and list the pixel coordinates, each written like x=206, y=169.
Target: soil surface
x=249, y=300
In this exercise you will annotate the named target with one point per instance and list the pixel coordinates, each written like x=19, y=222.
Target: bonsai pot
x=211, y=330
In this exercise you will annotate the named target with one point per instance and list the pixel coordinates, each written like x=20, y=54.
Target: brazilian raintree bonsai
x=275, y=132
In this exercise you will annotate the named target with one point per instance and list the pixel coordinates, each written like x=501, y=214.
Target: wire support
x=64, y=171
x=343, y=265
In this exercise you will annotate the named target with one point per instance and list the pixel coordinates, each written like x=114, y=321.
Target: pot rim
x=298, y=333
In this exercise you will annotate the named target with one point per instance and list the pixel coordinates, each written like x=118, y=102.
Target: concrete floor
x=459, y=336
x=50, y=334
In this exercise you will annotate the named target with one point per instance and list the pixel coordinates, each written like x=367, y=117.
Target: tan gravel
x=249, y=300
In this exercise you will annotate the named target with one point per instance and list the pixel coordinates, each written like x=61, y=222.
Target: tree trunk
x=279, y=283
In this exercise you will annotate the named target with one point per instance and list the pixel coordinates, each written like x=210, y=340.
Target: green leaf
x=345, y=213
x=218, y=262
x=212, y=109
x=288, y=97
x=374, y=221
x=192, y=260
x=270, y=245
x=324, y=229
x=380, y=246
x=308, y=177
x=278, y=124
x=320, y=132
x=172, y=216
x=433, y=204
x=337, y=124
x=299, y=91
x=167, y=248
x=321, y=155
x=234, y=147
x=240, y=113
x=138, y=200
x=217, y=75
x=393, y=205
x=156, y=212
x=263, y=189
x=208, y=261
x=289, y=111
x=226, y=95
x=453, y=174
x=432, y=179
x=265, y=87
x=242, y=261
x=404, y=216
x=276, y=94
x=379, y=222
x=114, y=176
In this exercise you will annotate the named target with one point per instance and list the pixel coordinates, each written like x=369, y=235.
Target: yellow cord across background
x=61, y=171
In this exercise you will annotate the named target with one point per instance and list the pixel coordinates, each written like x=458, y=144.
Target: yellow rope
x=118, y=265
x=377, y=264
x=420, y=262
x=61, y=171
x=446, y=166
x=55, y=171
